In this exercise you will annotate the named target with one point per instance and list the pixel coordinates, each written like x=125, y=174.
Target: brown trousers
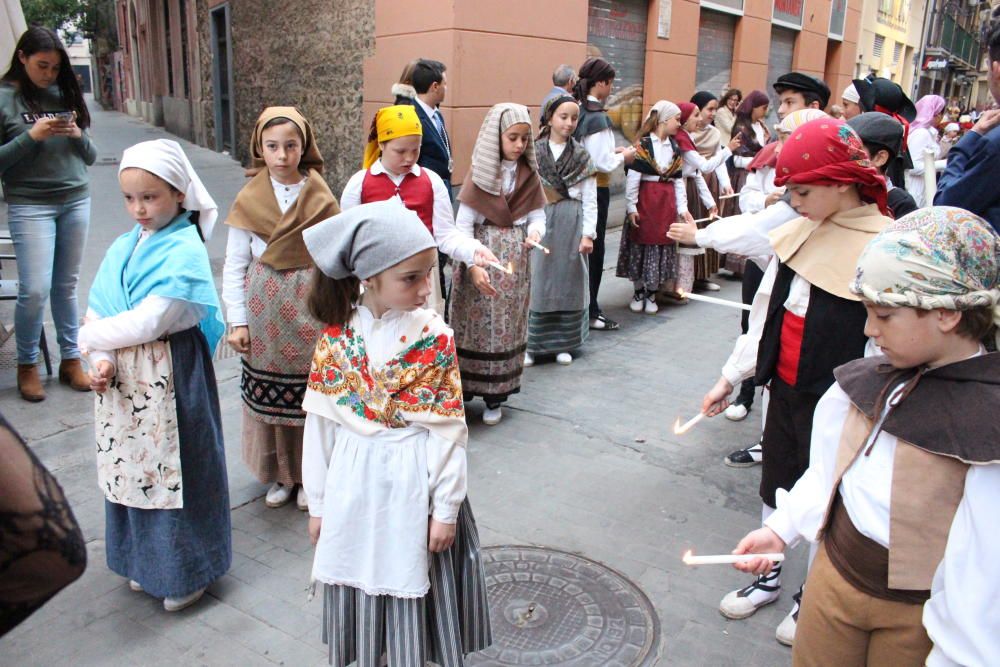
x=839, y=626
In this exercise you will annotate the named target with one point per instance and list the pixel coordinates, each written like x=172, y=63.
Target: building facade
x=891, y=33
x=953, y=64
x=204, y=69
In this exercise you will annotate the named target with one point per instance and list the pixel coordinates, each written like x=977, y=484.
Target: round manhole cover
x=555, y=608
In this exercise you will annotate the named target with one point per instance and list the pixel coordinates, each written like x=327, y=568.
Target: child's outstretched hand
x=717, y=398
x=760, y=541
x=315, y=525
x=481, y=280
x=442, y=536
x=484, y=256
x=683, y=232
x=533, y=236
x=239, y=339
x=100, y=375
x=586, y=245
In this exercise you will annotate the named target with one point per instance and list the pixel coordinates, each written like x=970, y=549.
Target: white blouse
x=152, y=318
x=759, y=184
x=663, y=153
x=374, y=494
x=446, y=235
x=242, y=247
x=601, y=146
x=585, y=192
x=468, y=217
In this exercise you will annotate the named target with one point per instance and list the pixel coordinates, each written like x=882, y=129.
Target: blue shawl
x=171, y=263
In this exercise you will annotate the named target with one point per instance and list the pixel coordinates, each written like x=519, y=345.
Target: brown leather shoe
x=29, y=384
x=71, y=373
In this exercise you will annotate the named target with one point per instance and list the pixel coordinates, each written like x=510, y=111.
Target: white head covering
x=665, y=110
x=952, y=127
x=166, y=159
x=851, y=94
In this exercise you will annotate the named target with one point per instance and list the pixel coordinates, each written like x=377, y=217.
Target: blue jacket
x=433, y=152
x=970, y=179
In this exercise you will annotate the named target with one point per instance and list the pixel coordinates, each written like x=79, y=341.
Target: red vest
x=417, y=193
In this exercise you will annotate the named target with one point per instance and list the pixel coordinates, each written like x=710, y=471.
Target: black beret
x=884, y=93
x=804, y=82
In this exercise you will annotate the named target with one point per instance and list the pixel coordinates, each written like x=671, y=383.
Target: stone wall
x=308, y=54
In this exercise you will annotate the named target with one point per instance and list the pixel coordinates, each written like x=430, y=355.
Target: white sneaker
x=707, y=285
x=564, y=358
x=529, y=359
x=492, y=416
x=278, y=495
x=736, y=412
x=743, y=602
x=785, y=633
x=301, y=500
x=176, y=604
x=651, y=306
x=135, y=586
x=638, y=299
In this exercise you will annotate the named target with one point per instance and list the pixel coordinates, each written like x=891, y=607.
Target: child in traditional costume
x=904, y=462
x=804, y=321
x=390, y=169
x=264, y=283
x=708, y=140
x=655, y=198
x=153, y=322
x=882, y=136
x=503, y=207
x=559, y=316
x=384, y=466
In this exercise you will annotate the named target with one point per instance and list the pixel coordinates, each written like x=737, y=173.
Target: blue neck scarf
x=171, y=263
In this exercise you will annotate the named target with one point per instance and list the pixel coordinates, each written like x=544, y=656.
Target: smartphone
x=66, y=116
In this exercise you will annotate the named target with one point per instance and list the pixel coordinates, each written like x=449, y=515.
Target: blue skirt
x=172, y=553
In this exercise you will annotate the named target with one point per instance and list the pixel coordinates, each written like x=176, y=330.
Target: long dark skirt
x=445, y=625
x=707, y=263
x=172, y=553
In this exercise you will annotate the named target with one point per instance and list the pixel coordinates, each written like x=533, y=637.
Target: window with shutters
x=897, y=51
x=877, y=47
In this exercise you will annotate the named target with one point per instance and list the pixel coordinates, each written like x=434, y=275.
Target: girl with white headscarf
x=153, y=322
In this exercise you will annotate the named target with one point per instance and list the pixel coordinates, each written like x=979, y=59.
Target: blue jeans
x=48, y=242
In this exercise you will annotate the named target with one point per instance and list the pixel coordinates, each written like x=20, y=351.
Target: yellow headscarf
x=390, y=123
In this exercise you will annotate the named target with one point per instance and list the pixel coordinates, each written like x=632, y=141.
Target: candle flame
x=687, y=556
x=681, y=293
x=510, y=267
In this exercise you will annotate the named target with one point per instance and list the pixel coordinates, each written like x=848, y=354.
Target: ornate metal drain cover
x=554, y=608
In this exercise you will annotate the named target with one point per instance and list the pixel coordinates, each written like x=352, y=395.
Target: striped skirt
x=491, y=332
x=445, y=625
x=706, y=263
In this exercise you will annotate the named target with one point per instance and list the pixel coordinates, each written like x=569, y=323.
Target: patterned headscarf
x=486, y=155
x=827, y=151
x=797, y=119
x=936, y=257
x=390, y=123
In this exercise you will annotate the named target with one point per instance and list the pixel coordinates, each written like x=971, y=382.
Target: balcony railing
x=891, y=20
x=958, y=41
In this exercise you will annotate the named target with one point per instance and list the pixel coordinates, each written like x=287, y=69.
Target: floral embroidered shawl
x=419, y=386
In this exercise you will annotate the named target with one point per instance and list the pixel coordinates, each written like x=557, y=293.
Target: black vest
x=834, y=334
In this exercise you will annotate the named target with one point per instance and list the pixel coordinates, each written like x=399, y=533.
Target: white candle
x=735, y=194
x=679, y=429
x=712, y=299
x=539, y=246
x=728, y=559
x=711, y=217
x=500, y=267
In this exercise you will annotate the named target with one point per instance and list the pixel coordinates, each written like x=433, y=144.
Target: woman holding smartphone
x=44, y=154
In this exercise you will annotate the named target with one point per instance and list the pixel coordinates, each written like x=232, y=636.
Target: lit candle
x=712, y=299
x=500, y=267
x=539, y=246
x=728, y=559
x=680, y=429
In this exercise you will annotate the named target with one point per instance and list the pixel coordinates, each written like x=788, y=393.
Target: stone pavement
x=584, y=461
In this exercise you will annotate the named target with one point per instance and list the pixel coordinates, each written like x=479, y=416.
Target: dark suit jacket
x=433, y=153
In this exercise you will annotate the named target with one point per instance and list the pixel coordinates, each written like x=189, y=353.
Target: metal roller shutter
x=716, y=35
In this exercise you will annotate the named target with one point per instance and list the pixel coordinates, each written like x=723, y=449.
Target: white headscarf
x=665, y=110
x=851, y=94
x=166, y=159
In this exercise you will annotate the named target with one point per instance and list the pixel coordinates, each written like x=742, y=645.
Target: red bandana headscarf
x=684, y=140
x=827, y=151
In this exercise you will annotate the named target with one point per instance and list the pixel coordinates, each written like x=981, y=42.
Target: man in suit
x=430, y=82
